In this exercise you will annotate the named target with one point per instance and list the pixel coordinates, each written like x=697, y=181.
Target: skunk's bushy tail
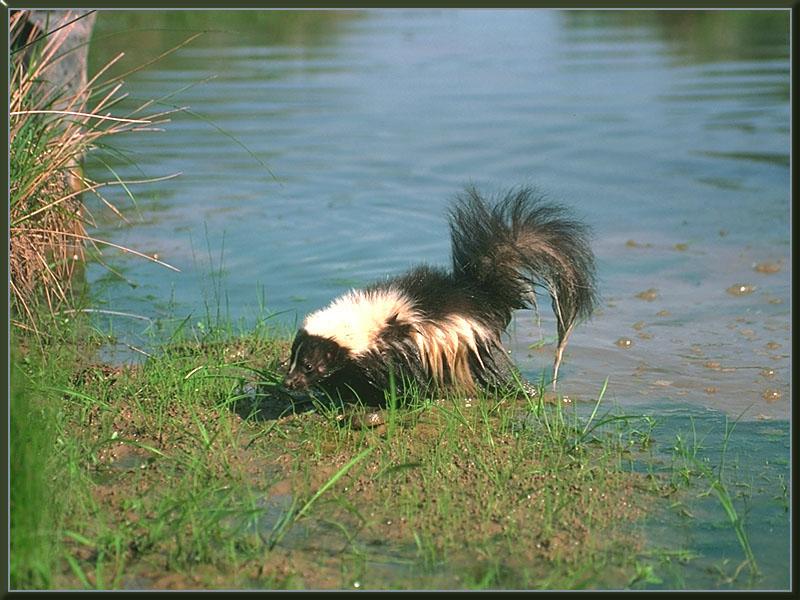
x=505, y=250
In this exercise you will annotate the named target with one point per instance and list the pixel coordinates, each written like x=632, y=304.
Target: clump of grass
x=45, y=480
x=53, y=124
x=30, y=561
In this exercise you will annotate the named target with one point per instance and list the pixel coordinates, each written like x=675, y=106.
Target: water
x=323, y=151
x=753, y=465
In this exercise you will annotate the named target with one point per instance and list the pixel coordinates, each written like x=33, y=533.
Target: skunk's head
x=313, y=359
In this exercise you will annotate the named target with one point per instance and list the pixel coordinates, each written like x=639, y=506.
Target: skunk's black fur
x=442, y=328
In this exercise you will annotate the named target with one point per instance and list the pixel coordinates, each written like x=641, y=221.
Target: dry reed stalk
x=51, y=128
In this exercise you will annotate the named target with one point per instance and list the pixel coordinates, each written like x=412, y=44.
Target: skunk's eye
x=308, y=367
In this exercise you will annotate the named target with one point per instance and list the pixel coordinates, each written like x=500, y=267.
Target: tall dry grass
x=53, y=125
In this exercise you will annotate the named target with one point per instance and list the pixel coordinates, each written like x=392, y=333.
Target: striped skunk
x=441, y=328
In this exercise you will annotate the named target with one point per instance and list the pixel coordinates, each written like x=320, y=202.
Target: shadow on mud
x=269, y=401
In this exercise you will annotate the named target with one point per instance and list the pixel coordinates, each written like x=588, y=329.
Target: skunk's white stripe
x=355, y=319
x=448, y=342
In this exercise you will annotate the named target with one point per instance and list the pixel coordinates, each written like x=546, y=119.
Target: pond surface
x=752, y=464
x=319, y=151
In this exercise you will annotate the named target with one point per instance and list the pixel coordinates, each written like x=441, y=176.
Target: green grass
x=192, y=470
x=45, y=484
x=31, y=435
x=173, y=474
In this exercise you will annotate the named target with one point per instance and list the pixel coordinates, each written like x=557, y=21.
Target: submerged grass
x=694, y=468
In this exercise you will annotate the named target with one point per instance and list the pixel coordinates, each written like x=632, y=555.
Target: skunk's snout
x=295, y=381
